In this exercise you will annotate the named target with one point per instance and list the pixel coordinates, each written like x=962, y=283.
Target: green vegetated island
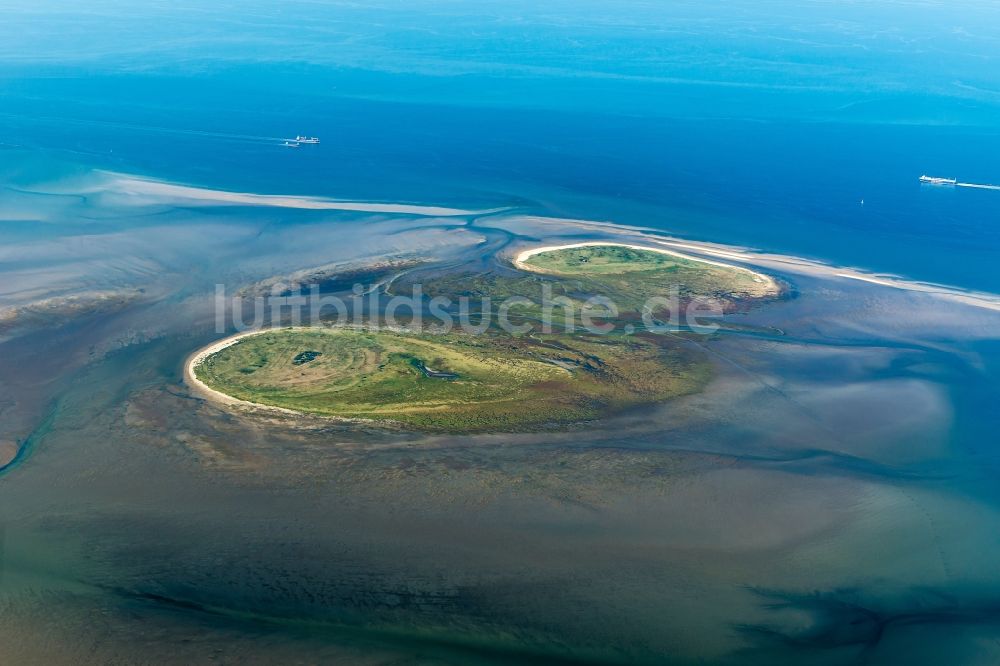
x=493, y=381
x=631, y=277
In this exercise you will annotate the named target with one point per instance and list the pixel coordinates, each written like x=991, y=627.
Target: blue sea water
x=764, y=124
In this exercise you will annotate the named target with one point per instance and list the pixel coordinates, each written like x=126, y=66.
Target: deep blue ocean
x=758, y=124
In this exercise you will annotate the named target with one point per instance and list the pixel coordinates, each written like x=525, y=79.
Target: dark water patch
x=430, y=373
x=305, y=357
x=854, y=622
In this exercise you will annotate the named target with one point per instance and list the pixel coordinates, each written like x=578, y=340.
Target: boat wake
x=978, y=187
x=953, y=182
x=178, y=131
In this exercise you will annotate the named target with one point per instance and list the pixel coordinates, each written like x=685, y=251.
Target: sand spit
x=130, y=185
x=777, y=262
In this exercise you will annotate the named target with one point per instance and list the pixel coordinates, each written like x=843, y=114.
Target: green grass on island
x=606, y=259
x=634, y=272
x=453, y=382
x=631, y=278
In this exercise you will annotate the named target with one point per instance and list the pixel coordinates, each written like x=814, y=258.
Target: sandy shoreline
x=202, y=390
x=8, y=451
x=205, y=391
x=524, y=255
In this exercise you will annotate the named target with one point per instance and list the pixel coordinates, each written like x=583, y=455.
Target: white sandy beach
x=205, y=391
x=201, y=389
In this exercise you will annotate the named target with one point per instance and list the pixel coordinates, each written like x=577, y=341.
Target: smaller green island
x=451, y=382
x=593, y=259
x=629, y=273
x=634, y=278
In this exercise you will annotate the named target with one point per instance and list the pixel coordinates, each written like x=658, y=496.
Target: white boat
x=933, y=180
x=291, y=144
x=307, y=139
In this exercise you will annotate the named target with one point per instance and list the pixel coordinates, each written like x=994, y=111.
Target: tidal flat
x=827, y=495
